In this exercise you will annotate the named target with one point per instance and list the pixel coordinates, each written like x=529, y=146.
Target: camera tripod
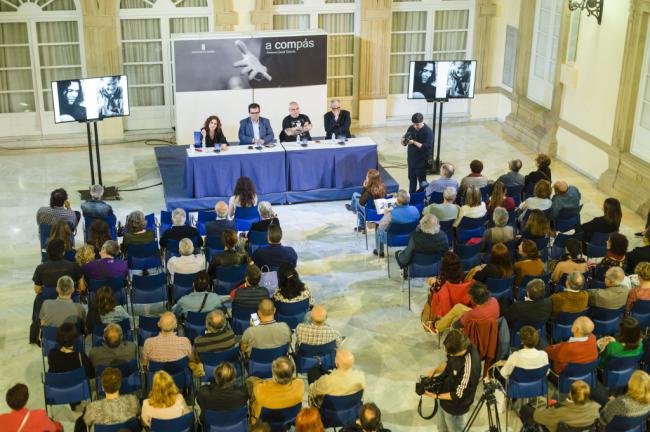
x=490, y=401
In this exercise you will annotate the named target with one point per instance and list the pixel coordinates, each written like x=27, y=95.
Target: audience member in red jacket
x=580, y=348
x=20, y=418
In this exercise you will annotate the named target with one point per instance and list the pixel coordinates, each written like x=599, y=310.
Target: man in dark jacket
x=534, y=309
x=216, y=227
x=461, y=374
x=427, y=239
x=369, y=420
x=223, y=394
x=419, y=140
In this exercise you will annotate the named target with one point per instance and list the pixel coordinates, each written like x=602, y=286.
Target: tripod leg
x=474, y=414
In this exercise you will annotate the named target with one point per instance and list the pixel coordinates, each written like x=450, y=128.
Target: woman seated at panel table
x=212, y=133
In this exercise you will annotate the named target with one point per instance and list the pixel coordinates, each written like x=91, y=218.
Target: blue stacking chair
x=340, y=411
x=178, y=370
x=529, y=190
x=561, y=283
x=618, y=370
x=417, y=200
x=597, y=246
x=398, y=235
x=43, y=234
x=470, y=255
x=241, y=319
x=143, y=256
x=152, y=224
x=259, y=363
x=501, y=287
x=245, y=217
x=421, y=266
x=211, y=360
x=369, y=214
x=172, y=249
x=515, y=340
x=194, y=324
x=180, y=424
x=98, y=332
x=182, y=285
x=147, y=327
x=436, y=198
x=567, y=219
x=166, y=220
x=291, y=313
x=309, y=356
x=257, y=239
x=447, y=226
x=149, y=289
x=577, y=371
x=606, y=321
x=131, y=382
x=526, y=383
x=132, y=425
x=213, y=245
x=557, y=250
x=485, y=192
x=111, y=221
x=66, y=387
x=228, y=278
x=561, y=325
x=469, y=228
x=627, y=424
x=641, y=311
x=226, y=421
x=515, y=193
x=546, y=277
x=117, y=284
x=280, y=419
x=202, y=217
x=48, y=293
x=542, y=245
x=48, y=340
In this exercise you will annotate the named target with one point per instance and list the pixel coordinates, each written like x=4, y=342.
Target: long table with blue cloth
x=322, y=166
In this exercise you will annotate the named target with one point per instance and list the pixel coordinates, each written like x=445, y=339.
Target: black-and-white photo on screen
x=441, y=79
x=90, y=98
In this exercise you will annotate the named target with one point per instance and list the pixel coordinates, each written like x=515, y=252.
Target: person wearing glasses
x=255, y=129
x=337, y=120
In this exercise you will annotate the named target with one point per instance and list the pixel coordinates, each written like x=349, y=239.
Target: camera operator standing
x=419, y=140
x=460, y=376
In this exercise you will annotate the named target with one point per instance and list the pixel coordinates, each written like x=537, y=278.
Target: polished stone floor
x=386, y=338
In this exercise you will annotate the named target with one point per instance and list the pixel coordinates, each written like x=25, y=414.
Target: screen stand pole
x=90, y=155
x=110, y=192
x=436, y=163
x=99, y=163
x=435, y=169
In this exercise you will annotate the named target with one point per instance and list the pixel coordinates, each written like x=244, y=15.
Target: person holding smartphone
x=268, y=333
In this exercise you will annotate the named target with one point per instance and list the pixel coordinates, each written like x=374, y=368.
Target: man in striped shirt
x=218, y=337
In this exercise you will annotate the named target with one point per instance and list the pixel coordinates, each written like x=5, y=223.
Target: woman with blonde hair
x=537, y=225
x=308, y=420
x=165, y=400
x=641, y=292
x=634, y=403
x=84, y=255
x=474, y=206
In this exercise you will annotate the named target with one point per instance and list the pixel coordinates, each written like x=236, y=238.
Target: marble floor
x=371, y=310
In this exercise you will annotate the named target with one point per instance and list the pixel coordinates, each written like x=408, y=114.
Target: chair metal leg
x=387, y=258
x=409, y=278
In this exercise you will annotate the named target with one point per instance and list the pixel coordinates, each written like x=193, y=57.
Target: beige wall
x=507, y=15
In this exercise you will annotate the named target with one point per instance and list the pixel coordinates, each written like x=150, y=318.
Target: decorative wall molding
x=374, y=48
x=225, y=17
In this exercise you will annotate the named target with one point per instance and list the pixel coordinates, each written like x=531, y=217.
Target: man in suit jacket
x=580, y=348
x=268, y=217
x=216, y=227
x=534, y=309
x=337, y=121
x=573, y=299
x=614, y=295
x=274, y=254
x=255, y=129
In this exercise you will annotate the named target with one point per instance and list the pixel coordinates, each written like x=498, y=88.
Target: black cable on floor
x=140, y=188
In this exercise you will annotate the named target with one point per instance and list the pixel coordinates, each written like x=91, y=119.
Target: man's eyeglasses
x=336, y=108
x=253, y=112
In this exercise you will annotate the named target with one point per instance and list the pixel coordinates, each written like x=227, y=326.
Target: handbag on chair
x=269, y=279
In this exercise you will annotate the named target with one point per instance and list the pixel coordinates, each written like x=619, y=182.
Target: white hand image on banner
x=251, y=64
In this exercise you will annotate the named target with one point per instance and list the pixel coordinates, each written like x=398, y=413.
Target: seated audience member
x=446, y=290
x=269, y=333
x=499, y=267
x=571, y=261
x=642, y=292
x=59, y=209
x=48, y=273
x=402, y=213
x=537, y=225
x=483, y=307
x=223, y=394
x=187, y=262
x=114, y=408
x=61, y=231
x=342, y=381
x=565, y=197
x=64, y=358
x=531, y=263
x=629, y=343
x=21, y=417
x=474, y=179
x=541, y=200
x=580, y=348
x=512, y=178
x=614, y=295
x=447, y=210
x=534, y=309
x=634, y=403
x=543, y=171
x=167, y=346
x=308, y=420
x=95, y=207
x=368, y=420
x=268, y=217
x=218, y=337
x=179, y=230
x=317, y=331
x=577, y=411
x=498, y=198
x=84, y=255
x=165, y=401
x=230, y=256
x=274, y=254
x=638, y=254
x=615, y=255
x=250, y=294
x=244, y=195
x=113, y=350
x=608, y=223
x=201, y=299
x=373, y=188
x=98, y=234
x=283, y=390
x=427, y=239
x=105, y=309
x=108, y=266
x=528, y=357
x=474, y=206
x=290, y=288
x=295, y=125
x=215, y=228
x=212, y=134
x=337, y=121
x=573, y=299
x=136, y=231
x=62, y=309
x=444, y=181
x=501, y=232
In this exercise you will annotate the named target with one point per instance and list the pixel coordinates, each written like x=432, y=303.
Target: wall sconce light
x=593, y=7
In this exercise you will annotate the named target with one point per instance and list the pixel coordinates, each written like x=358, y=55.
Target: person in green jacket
x=629, y=342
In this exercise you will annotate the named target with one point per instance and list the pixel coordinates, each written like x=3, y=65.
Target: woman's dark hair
x=543, y=161
x=55, y=249
x=202, y=282
x=479, y=293
x=245, y=190
x=206, y=124
x=500, y=257
x=98, y=233
x=537, y=224
x=61, y=230
x=451, y=269
x=497, y=197
x=630, y=335
x=574, y=249
x=530, y=249
x=67, y=335
x=289, y=281
x=58, y=197
x=229, y=238
x=618, y=243
x=104, y=300
x=476, y=166
x=613, y=212
x=17, y=396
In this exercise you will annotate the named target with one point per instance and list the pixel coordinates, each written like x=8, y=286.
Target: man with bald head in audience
x=614, y=295
x=565, y=197
x=317, y=332
x=216, y=227
x=573, y=299
x=580, y=348
x=113, y=349
x=342, y=381
x=268, y=333
x=167, y=346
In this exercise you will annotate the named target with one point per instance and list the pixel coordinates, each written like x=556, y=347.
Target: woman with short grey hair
x=427, y=239
x=136, y=231
x=500, y=232
x=187, y=263
x=180, y=230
